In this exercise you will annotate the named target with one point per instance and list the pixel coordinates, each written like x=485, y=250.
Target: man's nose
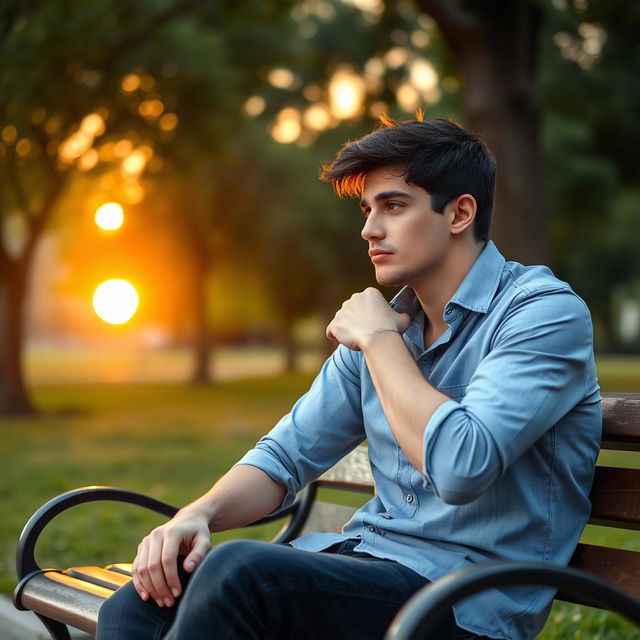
x=372, y=228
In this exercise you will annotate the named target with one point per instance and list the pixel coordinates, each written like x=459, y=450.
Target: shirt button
x=371, y=528
x=387, y=517
x=409, y=498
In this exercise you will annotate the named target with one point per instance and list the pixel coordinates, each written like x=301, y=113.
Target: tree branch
x=4, y=256
x=16, y=187
x=48, y=161
x=38, y=222
x=158, y=21
x=455, y=24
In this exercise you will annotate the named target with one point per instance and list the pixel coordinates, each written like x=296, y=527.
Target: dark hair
x=437, y=155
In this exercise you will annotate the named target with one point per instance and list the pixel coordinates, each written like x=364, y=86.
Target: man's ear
x=463, y=213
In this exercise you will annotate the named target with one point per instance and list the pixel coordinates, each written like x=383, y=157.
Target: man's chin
x=389, y=280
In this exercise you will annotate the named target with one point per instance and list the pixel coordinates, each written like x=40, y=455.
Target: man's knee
x=123, y=607
x=236, y=565
x=123, y=600
x=233, y=570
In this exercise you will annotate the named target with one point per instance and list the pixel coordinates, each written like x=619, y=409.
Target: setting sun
x=115, y=301
x=109, y=216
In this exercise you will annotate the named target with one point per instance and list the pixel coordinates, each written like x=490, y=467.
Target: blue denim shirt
x=509, y=459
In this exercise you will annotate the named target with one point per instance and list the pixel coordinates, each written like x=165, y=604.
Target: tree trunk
x=495, y=44
x=289, y=346
x=202, y=348
x=329, y=305
x=14, y=400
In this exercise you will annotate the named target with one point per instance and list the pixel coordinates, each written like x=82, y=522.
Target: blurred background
x=168, y=258
x=175, y=146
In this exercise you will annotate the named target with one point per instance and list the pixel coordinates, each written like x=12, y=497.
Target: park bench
x=598, y=576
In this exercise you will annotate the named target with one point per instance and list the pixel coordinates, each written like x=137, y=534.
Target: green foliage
x=301, y=238
x=590, y=135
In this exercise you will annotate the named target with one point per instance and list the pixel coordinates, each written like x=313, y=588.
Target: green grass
x=172, y=441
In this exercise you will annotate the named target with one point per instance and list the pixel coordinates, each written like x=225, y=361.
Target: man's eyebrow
x=386, y=195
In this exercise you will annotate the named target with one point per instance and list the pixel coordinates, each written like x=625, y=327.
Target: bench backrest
x=615, y=496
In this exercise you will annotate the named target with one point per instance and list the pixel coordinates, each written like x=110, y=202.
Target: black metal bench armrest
x=25, y=560
x=420, y=617
x=299, y=511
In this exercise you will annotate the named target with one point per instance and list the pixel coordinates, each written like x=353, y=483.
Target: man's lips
x=378, y=255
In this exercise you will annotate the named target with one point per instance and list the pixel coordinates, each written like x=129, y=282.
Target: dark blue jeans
x=249, y=590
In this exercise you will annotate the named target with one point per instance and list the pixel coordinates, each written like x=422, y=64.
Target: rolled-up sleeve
x=323, y=426
x=533, y=375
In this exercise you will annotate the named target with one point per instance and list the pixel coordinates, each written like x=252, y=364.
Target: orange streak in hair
x=387, y=122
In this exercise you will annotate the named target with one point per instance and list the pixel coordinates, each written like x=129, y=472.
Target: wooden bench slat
x=98, y=576
x=65, y=599
x=619, y=567
x=121, y=567
x=327, y=517
x=359, y=487
x=621, y=421
x=615, y=498
x=352, y=473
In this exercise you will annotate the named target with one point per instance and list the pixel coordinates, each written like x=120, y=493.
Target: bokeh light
x=168, y=121
x=88, y=160
x=287, y=127
x=346, y=93
x=408, y=97
x=109, y=216
x=254, y=105
x=93, y=124
x=281, y=78
x=317, y=117
x=9, y=133
x=134, y=164
x=130, y=83
x=78, y=143
x=115, y=301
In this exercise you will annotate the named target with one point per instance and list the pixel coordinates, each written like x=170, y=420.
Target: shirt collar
x=479, y=286
x=475, y=292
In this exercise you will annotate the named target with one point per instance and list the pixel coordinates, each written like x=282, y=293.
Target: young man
x=477, y=392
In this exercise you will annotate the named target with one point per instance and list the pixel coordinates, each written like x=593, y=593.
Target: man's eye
x=365, y=212
x=394, y=205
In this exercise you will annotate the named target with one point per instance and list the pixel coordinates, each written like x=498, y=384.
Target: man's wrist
x=379, y=337
x=200, y=509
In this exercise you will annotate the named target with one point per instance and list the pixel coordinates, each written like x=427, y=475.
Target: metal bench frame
x=598, y=576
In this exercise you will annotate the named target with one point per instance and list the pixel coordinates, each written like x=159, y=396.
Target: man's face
x=408, y=241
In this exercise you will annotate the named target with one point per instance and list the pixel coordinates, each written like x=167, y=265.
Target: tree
x=302, y=241
x=77, y=79
x=591, y=131
x=495, y=45
x=60, y=63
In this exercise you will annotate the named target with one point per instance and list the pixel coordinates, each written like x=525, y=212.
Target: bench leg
x=57, y=630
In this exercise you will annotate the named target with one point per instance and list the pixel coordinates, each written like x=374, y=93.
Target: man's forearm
x=242, y=496
x=408, y=400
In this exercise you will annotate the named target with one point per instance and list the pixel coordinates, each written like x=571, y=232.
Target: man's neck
x=435, y=292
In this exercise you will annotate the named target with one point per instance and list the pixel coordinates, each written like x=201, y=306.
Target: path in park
x=69, y=365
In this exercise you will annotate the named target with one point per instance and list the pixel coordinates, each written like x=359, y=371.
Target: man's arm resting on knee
x=242, y=496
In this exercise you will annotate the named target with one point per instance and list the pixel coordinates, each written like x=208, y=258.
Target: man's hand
x=155, y=573
x=362, y=317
